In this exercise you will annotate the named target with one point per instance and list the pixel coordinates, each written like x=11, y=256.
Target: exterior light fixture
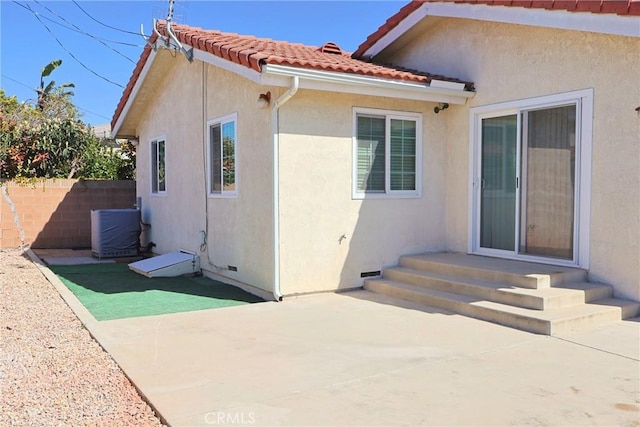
x=134, y=142
x=264, y=99
x=439, y=108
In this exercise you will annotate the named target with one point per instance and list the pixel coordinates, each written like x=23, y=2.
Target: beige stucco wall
x=509, y=62
x=316, y=205
x=239, y=230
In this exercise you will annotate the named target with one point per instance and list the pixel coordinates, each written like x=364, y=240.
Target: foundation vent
x=371, y=274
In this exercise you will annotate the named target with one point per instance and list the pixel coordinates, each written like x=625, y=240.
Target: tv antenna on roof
x=188, y=53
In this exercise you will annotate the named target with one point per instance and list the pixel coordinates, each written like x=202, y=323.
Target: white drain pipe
x=275, y=127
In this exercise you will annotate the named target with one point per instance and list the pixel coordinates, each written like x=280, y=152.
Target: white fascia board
x=353, y=83
x=606, y=23
x=446, y=84
x=394, y=34
x=216, y=61
x=134, y=93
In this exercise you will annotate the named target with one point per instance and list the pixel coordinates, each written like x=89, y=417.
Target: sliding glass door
x=527, y=187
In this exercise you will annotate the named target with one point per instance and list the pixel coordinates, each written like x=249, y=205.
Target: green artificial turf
x=112, y=291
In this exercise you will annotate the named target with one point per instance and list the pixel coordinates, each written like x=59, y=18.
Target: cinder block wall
x=57, y=213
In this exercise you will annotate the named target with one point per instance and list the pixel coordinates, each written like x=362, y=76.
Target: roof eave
x=623, y=25
x=437, y=91
x=277, y=75
x=132, y=96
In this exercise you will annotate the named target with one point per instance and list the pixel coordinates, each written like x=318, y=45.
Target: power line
x=37, y=15
x=84, y=32
x=78, y=107
x=102, y=23
x=79, y=31
x=16, y=81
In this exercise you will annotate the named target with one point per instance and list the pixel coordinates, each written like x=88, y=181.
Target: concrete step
x=509, y=272
x=548, y=322
x=564, y=295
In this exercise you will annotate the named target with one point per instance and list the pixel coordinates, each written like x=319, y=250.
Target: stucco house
x=508, y=129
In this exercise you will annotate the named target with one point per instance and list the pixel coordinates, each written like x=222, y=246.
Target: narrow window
x=222, y=157
x=158, y=166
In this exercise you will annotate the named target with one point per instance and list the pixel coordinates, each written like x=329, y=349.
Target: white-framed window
x=387, y=154
x=222, y=156
x=159, y=165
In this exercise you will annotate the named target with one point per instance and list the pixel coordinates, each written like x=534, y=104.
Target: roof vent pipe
x=331, y=47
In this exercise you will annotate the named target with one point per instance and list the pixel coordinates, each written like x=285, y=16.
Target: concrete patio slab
x=68, y=257
x=364, y=359
x=357, y=359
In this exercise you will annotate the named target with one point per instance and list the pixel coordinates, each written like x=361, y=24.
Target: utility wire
x=16, y=81
x=79, y=31
x=102, y=23
x=37, y=15
x=84, y=32
x=79, y=108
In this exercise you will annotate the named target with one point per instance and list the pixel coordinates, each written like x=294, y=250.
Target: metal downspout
x=275, y=126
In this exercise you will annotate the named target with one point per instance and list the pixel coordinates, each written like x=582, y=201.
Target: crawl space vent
x=365, y=274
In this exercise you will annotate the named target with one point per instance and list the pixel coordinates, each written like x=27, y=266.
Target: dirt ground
x=52, y=372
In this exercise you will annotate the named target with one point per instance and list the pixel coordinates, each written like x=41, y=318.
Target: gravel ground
x=51, y=371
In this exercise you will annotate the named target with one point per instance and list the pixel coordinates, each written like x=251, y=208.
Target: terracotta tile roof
x=620, y=7
x=253, y=53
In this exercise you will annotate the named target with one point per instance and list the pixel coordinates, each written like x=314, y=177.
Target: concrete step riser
x=530, y=325
x=586, y=322
x=596, y=294
x=630, y=311
x=513, y=320
x=497, y=295
x=464, y=289
x=531, y=281
x=423, y=299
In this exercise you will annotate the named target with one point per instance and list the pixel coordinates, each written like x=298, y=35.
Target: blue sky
x=26, y=45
